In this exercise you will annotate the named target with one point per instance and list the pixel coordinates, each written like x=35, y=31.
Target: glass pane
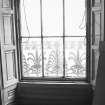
x=75, y=15
x=75, y=57
x=53, y=57
x=31, y=57
x=30, y=18
x=52, y=17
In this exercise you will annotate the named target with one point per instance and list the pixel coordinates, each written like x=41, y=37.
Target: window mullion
x=63, y=38
x=42, y=38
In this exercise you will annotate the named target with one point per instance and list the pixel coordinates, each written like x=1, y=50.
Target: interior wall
x=0, y=93
x=0, y=80
x=99, y=93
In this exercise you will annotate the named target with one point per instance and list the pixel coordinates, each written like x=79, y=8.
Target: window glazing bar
x=42, y=38
x=63, y=38
x=50, y=36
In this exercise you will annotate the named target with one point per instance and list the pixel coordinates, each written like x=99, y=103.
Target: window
x=53, y=38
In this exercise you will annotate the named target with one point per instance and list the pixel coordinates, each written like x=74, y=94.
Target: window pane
x=53, y=57
x=30, y=18
x=31, y=57
x=75, y=17
x=52, y=17
x=75, y=57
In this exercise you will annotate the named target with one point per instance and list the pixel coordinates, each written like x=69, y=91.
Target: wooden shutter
x=8, y=50
x=97, y=33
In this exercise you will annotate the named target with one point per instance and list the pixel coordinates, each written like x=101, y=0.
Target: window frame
x=88, y=47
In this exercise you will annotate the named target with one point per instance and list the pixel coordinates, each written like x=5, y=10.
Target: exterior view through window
x=53, y=38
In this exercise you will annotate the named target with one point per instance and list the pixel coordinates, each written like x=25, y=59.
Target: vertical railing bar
x=42, y=38
x=63, y=38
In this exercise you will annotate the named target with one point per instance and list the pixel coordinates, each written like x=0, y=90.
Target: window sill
x=55, y=82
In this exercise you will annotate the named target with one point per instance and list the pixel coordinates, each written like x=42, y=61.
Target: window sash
x=21, y=37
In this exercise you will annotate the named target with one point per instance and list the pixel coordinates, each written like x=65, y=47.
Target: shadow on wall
x=99, y=96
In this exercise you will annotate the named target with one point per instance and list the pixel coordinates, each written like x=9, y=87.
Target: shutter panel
x=97, y=34
x=8, y=50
